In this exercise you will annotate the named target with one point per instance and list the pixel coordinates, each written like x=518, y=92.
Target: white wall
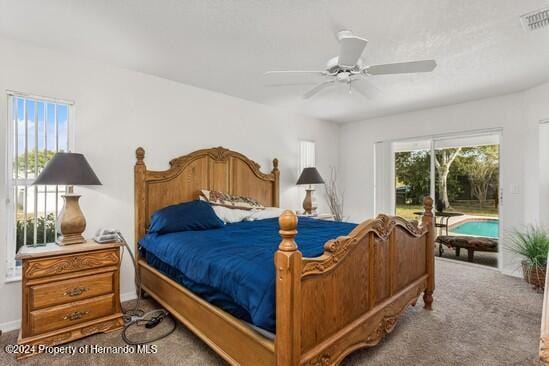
x=118, y=110
x=544, y=173
x=518, y=116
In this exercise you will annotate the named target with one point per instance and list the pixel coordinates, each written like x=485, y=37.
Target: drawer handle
x=76, y=291
x=75, y=315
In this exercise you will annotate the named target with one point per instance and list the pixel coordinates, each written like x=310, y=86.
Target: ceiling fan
x=348, y=68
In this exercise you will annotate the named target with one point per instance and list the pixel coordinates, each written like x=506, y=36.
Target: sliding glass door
x=461, y=173
x=412, y=178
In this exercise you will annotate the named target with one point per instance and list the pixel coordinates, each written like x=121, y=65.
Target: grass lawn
x=407, y=211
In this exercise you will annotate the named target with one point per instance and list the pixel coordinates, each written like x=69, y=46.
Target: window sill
x=13, y=279
x=13, y=276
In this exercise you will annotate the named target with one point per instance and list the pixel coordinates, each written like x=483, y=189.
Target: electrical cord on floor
x=137, y=317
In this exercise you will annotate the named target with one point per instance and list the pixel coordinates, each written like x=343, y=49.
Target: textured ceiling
x=225, y=46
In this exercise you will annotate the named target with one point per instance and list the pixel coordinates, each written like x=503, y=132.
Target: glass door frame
x=432, y=174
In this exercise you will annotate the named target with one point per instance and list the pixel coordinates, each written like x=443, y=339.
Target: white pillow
x=267, y=213
x=231, y=215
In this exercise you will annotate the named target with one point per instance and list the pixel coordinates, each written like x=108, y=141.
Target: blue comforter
x=233, y=267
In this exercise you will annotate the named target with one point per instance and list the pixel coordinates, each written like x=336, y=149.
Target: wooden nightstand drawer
x=69, y=292
x=62, y=316
x=62, y=292
x=69, y=263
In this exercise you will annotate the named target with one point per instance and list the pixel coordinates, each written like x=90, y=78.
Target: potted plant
x=533, y=245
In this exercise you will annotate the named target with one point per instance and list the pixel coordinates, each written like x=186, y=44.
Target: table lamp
x=309, y=176
x=70, y=169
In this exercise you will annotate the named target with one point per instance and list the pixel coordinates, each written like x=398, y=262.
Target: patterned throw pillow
x=227, y=200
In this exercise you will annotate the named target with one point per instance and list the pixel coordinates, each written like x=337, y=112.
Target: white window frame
x=13, y=268
x=307, y=159
x=307, y=155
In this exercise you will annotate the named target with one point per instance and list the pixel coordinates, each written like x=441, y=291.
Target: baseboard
x=11, y=325
x=512, y=272
x=128, y=296
x=16, y=324
x=469, y=264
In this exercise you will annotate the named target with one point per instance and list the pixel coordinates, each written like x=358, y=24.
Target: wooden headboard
x=217, y=169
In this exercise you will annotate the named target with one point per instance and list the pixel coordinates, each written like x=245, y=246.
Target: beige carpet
x=480, y=317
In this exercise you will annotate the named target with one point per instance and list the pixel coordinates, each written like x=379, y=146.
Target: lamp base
x=71, y=221
x=70, y=239
x=308, y=202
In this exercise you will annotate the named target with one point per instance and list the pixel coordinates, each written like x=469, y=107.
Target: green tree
x=443, y=162
x=42, y=158
x=412, y=170
x=481, y=165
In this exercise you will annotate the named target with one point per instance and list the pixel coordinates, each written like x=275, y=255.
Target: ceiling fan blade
x=402, y=67
x=318, y=88
x=290, y=84
x=350, y=49
x=314, y=72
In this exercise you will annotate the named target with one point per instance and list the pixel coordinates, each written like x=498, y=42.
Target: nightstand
x=69, y=292
x=319, y=216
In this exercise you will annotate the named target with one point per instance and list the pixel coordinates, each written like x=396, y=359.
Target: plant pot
x=534, y=275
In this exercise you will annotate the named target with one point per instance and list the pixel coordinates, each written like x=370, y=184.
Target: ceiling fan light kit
x=348, y=67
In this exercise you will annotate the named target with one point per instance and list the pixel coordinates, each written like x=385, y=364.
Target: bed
x=346, y=296
x=205, y=261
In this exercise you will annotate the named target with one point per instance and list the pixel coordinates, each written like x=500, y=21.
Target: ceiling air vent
x=535, y=20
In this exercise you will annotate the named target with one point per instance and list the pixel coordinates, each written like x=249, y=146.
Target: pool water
x=487, y=228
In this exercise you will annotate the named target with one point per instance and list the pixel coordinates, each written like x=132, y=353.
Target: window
x=306, y=160
x=306, y=155
x=37, y=128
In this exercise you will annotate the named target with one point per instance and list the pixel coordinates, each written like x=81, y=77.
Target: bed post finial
x=427, y=222
x=288, y=224
x=428, y=214
x=276, y=189
x=140, y=155
x=288, y=293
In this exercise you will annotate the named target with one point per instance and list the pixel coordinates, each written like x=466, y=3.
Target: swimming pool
x=488, y=228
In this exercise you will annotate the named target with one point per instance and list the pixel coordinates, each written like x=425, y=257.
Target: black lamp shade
x=67, y=169
x=310, y=176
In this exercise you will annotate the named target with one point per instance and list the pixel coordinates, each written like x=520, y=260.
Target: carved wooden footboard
x=352, y=295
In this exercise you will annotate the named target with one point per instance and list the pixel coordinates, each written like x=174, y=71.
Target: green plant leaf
x=532, y=244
